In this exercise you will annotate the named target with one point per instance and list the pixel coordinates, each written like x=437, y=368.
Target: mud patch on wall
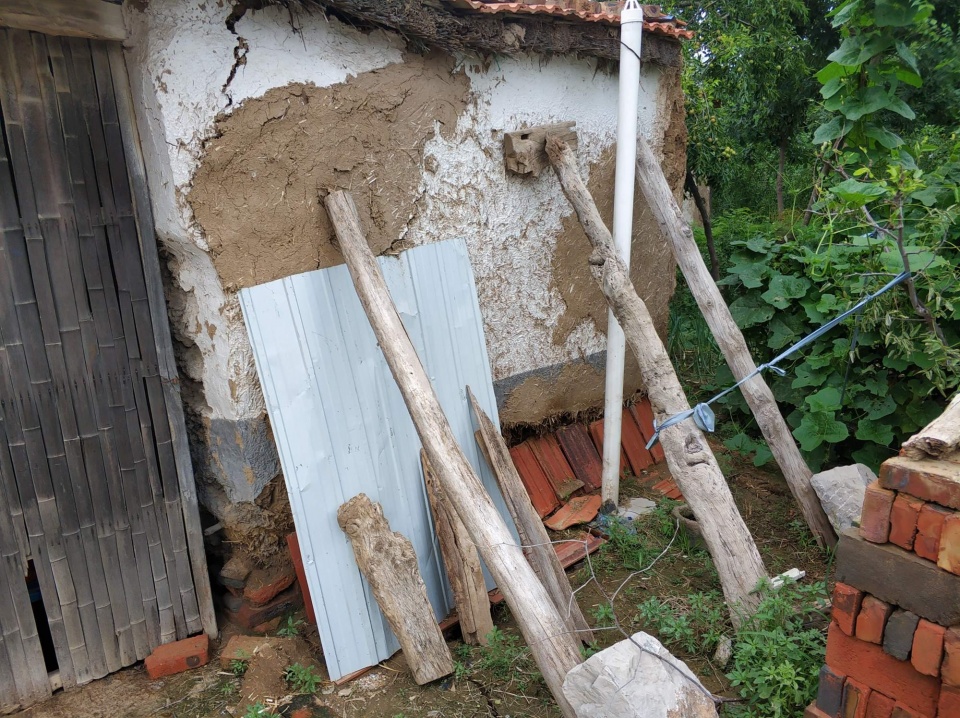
x=652, y=266
x=563, y=389
x=255, y=194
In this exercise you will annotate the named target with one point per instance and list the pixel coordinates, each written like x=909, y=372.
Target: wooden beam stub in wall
x=95, y=19
x=524, y=151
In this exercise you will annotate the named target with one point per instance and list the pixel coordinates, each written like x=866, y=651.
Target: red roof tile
x=583, y=10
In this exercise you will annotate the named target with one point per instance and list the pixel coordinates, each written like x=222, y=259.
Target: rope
x=703, y=415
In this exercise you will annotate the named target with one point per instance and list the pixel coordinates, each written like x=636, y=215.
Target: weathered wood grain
x=461, y=560
x=688, y=454
x=554, y=650
x=937, y=439
x=388, y=562
x=679, y=236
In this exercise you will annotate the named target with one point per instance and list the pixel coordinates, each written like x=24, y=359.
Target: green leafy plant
x=506, y=659
x=695, y=623
x=238, y=666
x=778, y=652
x=302, y=679
x=256, y=711
x=290, y=628
x=603, y=614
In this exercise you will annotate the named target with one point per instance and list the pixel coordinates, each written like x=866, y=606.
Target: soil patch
x=255, y=193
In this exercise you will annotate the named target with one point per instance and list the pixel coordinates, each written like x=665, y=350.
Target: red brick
x=855, y=697
x=301, y=713
x=950, y=668
x=294, y=545
x=555, y=465
x=596, y=433
x=868, y=664
x=583, y=457
x=949, y=702
x=929, y=528
x=264, y=585
x=248, y=616
x=177, y=657
x=634, y=445
x=880, y=706
x=872, y=618
x=902, y=711
x=846, y=606
x=875, y=515
x=534, y=479
x=948, y=558
x=936, y=481
x=643, y=414
x=903, y=521
x=927, y=652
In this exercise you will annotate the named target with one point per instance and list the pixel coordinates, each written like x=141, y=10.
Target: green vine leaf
x=749, y=310
x=784, y=288
x=875, y=431
x=818, y=427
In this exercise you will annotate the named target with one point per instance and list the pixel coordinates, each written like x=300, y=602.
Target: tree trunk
x=731, y=342
x=388, y=562
x=461, y=560
x=540, y=552
x=780, y=168
x=694, y=191
x=552, y=646
x=688, y=454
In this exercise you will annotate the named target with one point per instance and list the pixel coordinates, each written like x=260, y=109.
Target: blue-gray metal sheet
x=342, y=428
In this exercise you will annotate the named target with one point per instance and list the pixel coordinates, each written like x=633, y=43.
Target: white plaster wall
x=510, y=222
x=180, y=54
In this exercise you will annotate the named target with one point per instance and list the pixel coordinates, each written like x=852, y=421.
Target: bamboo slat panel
x=92, y=450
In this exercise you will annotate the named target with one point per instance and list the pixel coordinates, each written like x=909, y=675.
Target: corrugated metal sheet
x=342, y=427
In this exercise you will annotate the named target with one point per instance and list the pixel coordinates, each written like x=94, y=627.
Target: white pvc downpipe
x=631, y=29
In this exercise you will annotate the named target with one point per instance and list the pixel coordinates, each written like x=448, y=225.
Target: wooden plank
x=663, y=204
x=539, y=550
x=553, y=649
x=461, y=560
x=583, y=457
x=938, y=438
x=80, y=18
x=389, y=563
x=688, y=454
x=164, y=344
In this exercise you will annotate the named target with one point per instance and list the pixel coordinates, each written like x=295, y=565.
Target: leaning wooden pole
x=731, y=342
x=553, y=647
x=688, y=454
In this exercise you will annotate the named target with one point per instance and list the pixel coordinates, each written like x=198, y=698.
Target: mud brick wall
x=893, y=646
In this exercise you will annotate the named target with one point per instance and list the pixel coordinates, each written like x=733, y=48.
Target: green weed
x=290, y=628
x=302, y=679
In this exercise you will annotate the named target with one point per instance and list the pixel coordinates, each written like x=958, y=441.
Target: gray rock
x=624, y=681
x=841, y=493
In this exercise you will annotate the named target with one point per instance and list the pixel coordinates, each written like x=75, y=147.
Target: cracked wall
x=244, y=115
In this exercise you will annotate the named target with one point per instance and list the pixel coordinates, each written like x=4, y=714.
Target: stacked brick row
x=893, y=646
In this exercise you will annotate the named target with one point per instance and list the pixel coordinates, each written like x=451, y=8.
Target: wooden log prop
x=554, y=649
x=939, y=438
x=540, y=552
x=688, y=455
x=461, y=560
x=731, y=342
x=389, y=563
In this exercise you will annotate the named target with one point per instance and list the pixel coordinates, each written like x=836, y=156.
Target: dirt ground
x=492, y=683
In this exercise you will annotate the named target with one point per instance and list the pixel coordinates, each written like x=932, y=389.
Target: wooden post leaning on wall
x=688, y=454
x=389, y=563
x=461, y=560
x=553, y=648
x=731, y=342
x=540, y=552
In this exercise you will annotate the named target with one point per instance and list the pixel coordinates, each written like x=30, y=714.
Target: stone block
x=841, y=491
x=623, y=680
x=898, y=634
